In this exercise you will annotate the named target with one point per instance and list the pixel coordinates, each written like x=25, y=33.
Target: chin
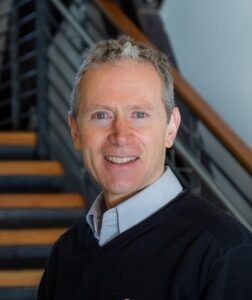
x=122, y=190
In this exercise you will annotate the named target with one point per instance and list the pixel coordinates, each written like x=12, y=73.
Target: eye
x=140, y=114
x=100, y=115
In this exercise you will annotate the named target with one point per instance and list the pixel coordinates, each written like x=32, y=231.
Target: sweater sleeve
x=231, y=276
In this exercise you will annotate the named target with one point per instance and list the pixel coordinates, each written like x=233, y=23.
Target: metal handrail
x=72, y=21
x=58, y=71
x=59, y=29
x=27, y=56
x=27, y=94
x=207, y=179
x=69, y=62
x=59, y=94
x=27, y=38
x=232, y=182
x=27, y=18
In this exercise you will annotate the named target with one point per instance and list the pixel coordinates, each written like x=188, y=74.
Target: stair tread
x=42, y=201
x=10, y=237
x=20, y=278
x=26, y=167
x=18, y=138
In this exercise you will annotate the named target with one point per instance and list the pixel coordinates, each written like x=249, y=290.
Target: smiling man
x=143, y=237
x=122, y=128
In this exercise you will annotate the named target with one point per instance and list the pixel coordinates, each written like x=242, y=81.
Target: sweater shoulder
x=75, y=238
x=218, y=225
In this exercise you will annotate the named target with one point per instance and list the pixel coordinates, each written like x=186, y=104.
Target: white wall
x=212, y=42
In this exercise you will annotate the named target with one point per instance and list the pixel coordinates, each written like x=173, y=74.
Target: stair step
x=39, y=218
x=18, y=145
x=21, y=257
x=31, y=184
x=30, y=236
x=20, y=278
x=42, y=201
x=19, y=138
x=35, y=168
x=24, y=293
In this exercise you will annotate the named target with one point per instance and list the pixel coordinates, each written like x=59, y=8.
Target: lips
x=121, y=160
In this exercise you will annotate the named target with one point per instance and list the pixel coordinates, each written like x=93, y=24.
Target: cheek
x=92, y=142
x=153, y=140
x=87, y=135
x=155, y=137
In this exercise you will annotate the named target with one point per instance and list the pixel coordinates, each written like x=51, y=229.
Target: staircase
x=41, y=45
x=34, y=212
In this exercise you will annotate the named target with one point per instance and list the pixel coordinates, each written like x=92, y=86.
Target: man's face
x=121, y=128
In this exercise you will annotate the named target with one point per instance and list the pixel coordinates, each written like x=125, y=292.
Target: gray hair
x=110, y=51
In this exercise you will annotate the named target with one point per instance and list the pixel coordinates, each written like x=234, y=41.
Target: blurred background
x=44, y=187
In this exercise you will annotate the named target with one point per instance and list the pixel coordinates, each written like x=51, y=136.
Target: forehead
x=125, y=77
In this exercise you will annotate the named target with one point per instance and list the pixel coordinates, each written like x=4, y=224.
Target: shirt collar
x=94, y=216
x=138, y=207
x=151, y=199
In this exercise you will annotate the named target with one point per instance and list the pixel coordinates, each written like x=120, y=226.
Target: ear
x=172, y=127
x=74, y=131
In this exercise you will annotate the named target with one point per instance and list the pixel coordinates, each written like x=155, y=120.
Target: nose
x=121, y=132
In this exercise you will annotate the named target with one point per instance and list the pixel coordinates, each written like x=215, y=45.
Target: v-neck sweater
x=112, y=222
x=188, y=250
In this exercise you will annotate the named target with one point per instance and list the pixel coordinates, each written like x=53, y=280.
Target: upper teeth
x=120, y=160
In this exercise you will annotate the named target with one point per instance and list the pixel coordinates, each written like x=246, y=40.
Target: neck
x=113, y=200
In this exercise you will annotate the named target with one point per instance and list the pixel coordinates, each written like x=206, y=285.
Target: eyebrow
x=98, y=106
x=140, y=107
x=128, y=107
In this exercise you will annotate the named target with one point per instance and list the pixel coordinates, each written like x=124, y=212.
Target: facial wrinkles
x=133, y=146
x=135, y=137
x=107, y=83
x=122, y=168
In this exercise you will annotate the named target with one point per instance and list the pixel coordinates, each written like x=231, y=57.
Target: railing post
x=15, y=101
x=42, y=99
x=195, y=181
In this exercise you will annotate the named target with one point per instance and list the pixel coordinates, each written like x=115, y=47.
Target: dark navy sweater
x=189, y=249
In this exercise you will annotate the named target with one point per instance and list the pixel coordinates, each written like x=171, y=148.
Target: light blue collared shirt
x=132, y=211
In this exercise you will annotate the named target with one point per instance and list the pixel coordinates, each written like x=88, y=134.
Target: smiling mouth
x=121, y=160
